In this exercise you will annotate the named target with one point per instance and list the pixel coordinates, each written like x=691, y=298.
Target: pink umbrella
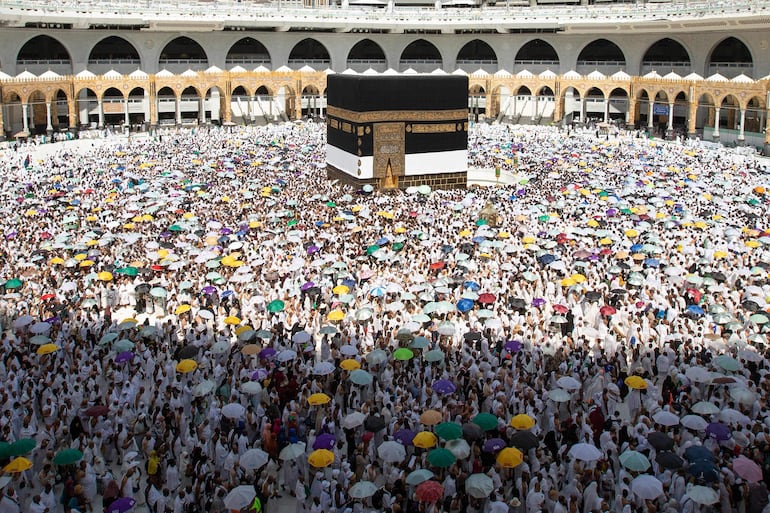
x=747, y=469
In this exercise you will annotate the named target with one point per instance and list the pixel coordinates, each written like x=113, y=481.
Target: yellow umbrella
x=638, y=257
x=56, y=261
x=92, y=242
x=465, y=233
x=47, y=349
x=80, y=257
x=186, y=366
x=606, y=241
x=318, y=399
x=188, y=215
x=341, y=289
x=503, y=235
x=401, y=230
x=129, y=319
x=522, y=421
x=350, y=364
x=182, y=309
x=636, y=382
x=336, y=315
x=18, y=465
x=621, y=255
x=632, y=233
x=529, y=239
x=251, y=349
x=162, y=253
x=232, y=321
x=720, y=254
x=241, y=329
x=568, y=282
x=105, y=276
x=510, y=457
x=321, y=458
x=701, y=225
x=254, y=224
x=578, y=278
x=752, y=243
x=424, y=440
x=430, y=417
x=86, y=263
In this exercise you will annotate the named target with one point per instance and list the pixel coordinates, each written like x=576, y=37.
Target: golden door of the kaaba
x=389, y=159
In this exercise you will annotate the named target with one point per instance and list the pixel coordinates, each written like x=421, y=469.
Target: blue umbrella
x=636, y=248
x=377, y=292
x=695, y=310
x=472, y=285
x=705, y=470
x=324, y=441
x=698, y=452
x=382, y=241
x=652, y=262
x=464, y=305
x=546, y=259
x=478, y=240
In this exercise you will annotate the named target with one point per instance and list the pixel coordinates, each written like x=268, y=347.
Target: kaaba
x=397, y=131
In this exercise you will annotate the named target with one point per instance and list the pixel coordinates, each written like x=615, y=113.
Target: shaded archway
x=572, y=106
x=730, y=57
x=59, y=110
x=523, y=104
x=190, y=105
x=214, y=105
x=502, y=103
x=311, y=102
x=477, y=54
x=249, y=53
x=755, y=121
x=666, y=55
x=138, y=108
x=544, y=105
x=704, y=115
x=116, y=53
x=602, y=55
x=309, y=52
x=114, y=107
x=285, y=102
x=87, y=104
x=181, y=54
x=166, y=98
x=366, y=54
x=42, y=53
x=618, y=107
x=37, y=110
x=595, y=105
x=536, y=56
x=420, y=55
x=477, y=102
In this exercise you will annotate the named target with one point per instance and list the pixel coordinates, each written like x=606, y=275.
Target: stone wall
x=435, y=181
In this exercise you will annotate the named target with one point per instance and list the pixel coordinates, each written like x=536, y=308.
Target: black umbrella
x=751, y=306
x=661, y=441
x=374, y=423
x=143, y=288
x=619, y=292
x=593, y=296
x=472, y=335
x=524, y=440
x=518, y=304
x=187, y=352
x=472, y=431
x=669, y=460
x=719, y=277
x=705, y=470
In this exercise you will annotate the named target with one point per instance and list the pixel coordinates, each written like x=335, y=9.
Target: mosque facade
x=690, y=69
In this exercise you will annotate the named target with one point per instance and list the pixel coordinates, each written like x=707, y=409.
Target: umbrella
x=666, y=418
x=186, y=366
x=404, y=436
x=444, y=386
x=253, y=459
x=434, y=355
x=403, y=354
x=424, y=440
x=694, y=422
x=418, y=476
x=635, y=461
x=660, y=441
x=321, y=458
x=67, y=457
x=18, y=465
x=376, y=357
x=728, y=363
x=703, y=495
x=510, y=457
x=124, y=504
x=698, y=452
x=22, y=446
x=292, y=451
x=318, y=399
x=324, y=441
x=479, y=486
x=485, y=421
x=233, y=411
x=240, y=497
x=524, y=440
x=584, y=452
x=441, y=458
x=705, y=470
x=636, y=382
x=568, y=383
x=353, y=420
x=251, y=388
x=494, y=445
x=391, y=452
x=718, y=430
x=472, y=431
x=430, y=417
x=459, y=448
x=747, y=469
x=361, y=377
x=323, y=368
x=375, y=423
x=350, y=364
x=276, y=306
x=559, y=395
x=97, y=410
x=647, y=487
x=429, y=491
x=186, y=352
x=705, y=408
x=669, y=460
x=203, y=388
x=448, y=430
x=522, y=421
x=362, y=490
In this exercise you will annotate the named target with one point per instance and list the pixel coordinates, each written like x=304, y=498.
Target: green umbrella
x=481, y=222
x=158, y=292
x=331, y=204
x=398, y=246
x=441, y=458
x=22, y=446
x=123, y=345
x=14, y=283
x=372, y=249
x=449, y=430
x=726, y=362
x=758, y=318
x=403, y=354
x=127, y=271
x=276, y=306
x=5, y=450
x=485, y=421
x=434, y=355
x=175, y=228
x=292, y=222
x=543, y=218
x=361, y=377
x=424, y=189
x=213, y=264
x=67, y=457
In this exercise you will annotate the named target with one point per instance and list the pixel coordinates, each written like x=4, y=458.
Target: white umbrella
x=743, y=395
x=240, y=497
x=730, y=416
x=292, y=451
x=666, y=418
x=286, y=355
x=253, y=459
x=698, y=374
x=647, y=487
x=301, y=337
x=585, y=452
x=391, y=452
x=251, y=388
x=354, y=419
x=694, y=422
x=703, y=495
x=349, y=350
x=203, y=388
x=459, y=448
x=568, y=383
x=40, y=327
x=377, y=357
x=24, y=320
x=559, y=395
x=362, y=490
x=323, y=368
x=705, y=408
x=479, y=486
x=233, y=411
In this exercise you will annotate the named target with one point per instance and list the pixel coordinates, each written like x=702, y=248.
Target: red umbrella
x=747, y=469
x=97, y=411
x=46, y=297
x=607, y=310
x=157, y=268
x=429, y=491
x=605, y=252
x=436, y=266
x=486, y=298
x=695, y=294
x=560, y=309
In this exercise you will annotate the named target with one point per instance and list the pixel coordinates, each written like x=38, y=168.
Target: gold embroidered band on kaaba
x=396, y=115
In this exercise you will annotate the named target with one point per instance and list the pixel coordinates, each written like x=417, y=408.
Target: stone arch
x=477, y=101
x=600, y=54
x=477, y=54
x=500, y=102
x=420, y=55
x=166, y=98
x=43, y=52
x=311, y=101
x=729, y=111
x=114, y=52
x=536, y=56
x=240, y=90
x=138, y=106
x=189, y=103
x=214, y=104
x=665, y=55
x=113, y=106
x=572, y=103
x=366, y=54
x=309, y=52
x=183, y=53
x=730, y=57
x=249, y=52
x=263, y=90
x=619, y=103
x=755, y=114
x=286, y=100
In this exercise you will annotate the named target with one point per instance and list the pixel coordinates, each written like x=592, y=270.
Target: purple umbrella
x=121, y=505
x=512, y=346
x=307, y=285
x=494, y=445
x=718, y=430
x=404, y=436
x=225, y=231
x=259, y=374
x=324, y=441
x=209, y=289
x=538, y=302
x=444, y=386
x=266, y=353
x=125, y=356
x=312, y=249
